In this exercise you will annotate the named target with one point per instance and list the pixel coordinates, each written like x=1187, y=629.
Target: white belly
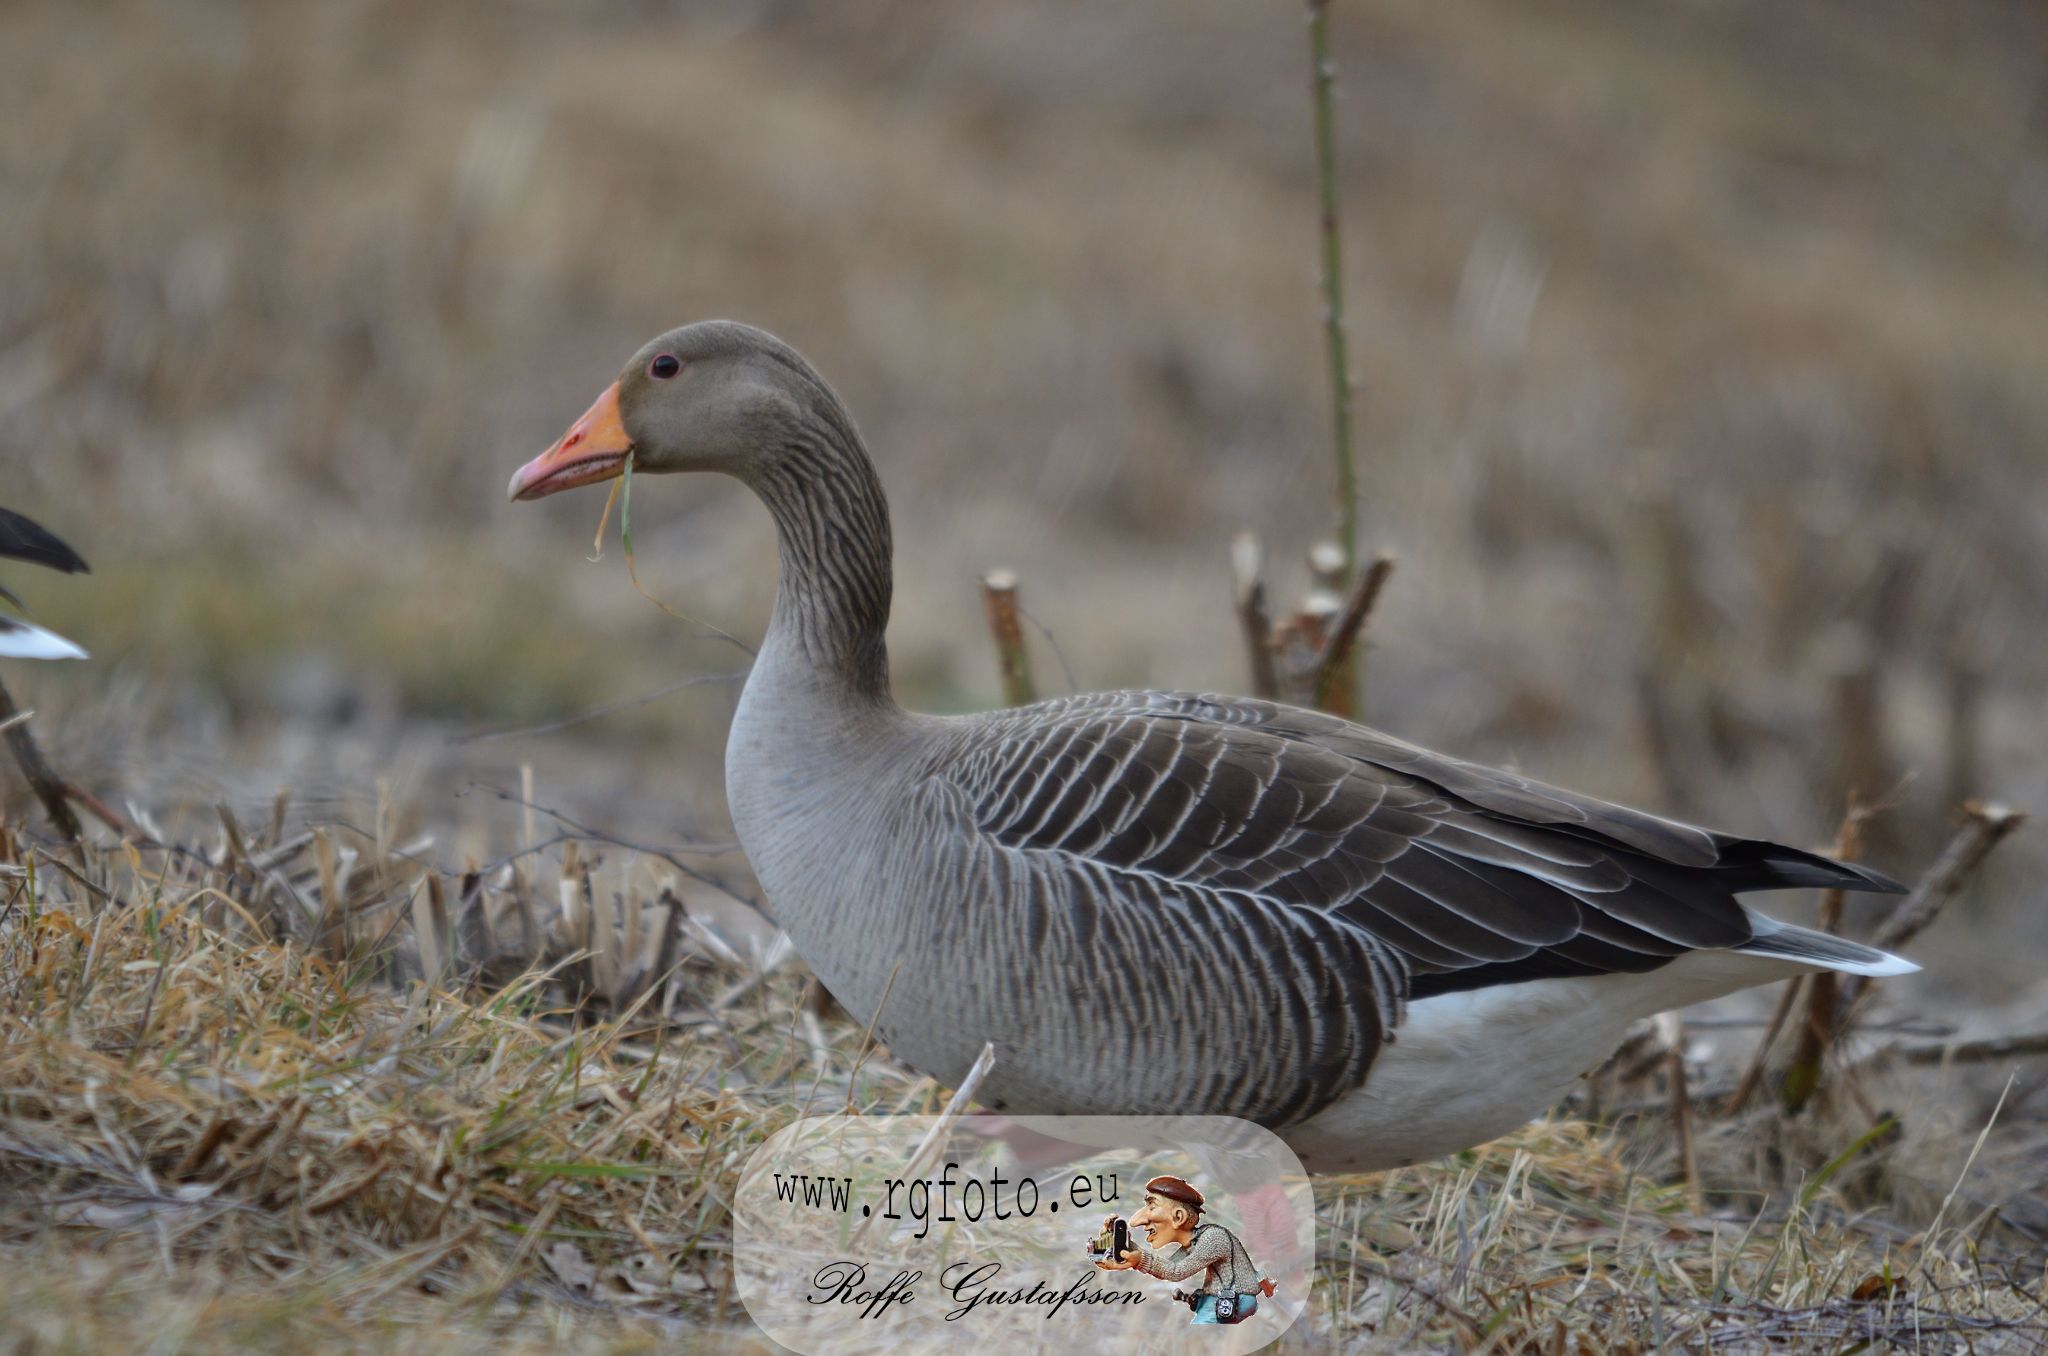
x=1468, y=1067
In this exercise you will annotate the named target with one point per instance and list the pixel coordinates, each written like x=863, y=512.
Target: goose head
x=713, y=396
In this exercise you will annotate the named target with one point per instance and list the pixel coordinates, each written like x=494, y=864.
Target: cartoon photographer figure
x=1178, y=1245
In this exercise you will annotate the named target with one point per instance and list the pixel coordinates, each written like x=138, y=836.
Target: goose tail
x=26, y=640
x=1823, y=951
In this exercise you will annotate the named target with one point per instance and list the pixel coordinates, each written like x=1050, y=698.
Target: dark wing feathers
x=1404, y=866
x=1748, y=864
x=25, y=539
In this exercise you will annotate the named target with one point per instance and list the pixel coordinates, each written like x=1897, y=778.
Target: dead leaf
x=571, y=1267
x=1387, y=1236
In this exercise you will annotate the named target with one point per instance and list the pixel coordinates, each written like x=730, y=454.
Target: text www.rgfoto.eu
x=974, y=1198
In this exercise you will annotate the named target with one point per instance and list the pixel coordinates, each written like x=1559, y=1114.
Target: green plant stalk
x=1341, y=391
x=626, y=538
x=1863, y=1141
x=626, y=507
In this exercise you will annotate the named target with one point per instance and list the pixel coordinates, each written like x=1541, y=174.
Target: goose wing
x=1457, y=876
x=22, y=538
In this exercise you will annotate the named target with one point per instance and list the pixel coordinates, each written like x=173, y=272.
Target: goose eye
x=664, y=366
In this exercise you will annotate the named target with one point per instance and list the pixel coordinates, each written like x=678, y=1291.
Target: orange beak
x=594, y=449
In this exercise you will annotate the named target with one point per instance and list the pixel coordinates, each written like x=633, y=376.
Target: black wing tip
x=1854, y=876
x=1875, y=882
x=1773, y=866
x=23, y=538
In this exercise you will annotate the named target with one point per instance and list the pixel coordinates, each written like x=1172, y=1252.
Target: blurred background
x=1703, y=353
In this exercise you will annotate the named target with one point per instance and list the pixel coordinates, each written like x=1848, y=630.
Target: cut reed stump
x=999, y=597
x=1337, y=669
x=1248, y=565
x=1311, y=656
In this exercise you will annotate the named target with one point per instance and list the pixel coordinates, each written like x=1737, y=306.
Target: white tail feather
x=1822, y=950
x=26, y=640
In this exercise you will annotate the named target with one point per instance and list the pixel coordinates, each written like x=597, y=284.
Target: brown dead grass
x=319, y=1155
x=235, y=1113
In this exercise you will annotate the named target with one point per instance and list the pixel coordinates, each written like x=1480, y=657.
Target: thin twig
x=584, y=831
x=105, y=813
x=1660, y=742
x=935, y=1137
x=1323, y=86
x=1988, y=826
x=1443, y=1306
x=1965, y=721
x=1759, y=1060
x=1865, y=765
x=1984, y=1051
x=647, y=849
x=1672, y=1027
x=1052, y=642
x=1933, y=1232
x=1823, y=1023
x=608, y=708
x=633, y=570
x=867, y=1037
x=47, y=785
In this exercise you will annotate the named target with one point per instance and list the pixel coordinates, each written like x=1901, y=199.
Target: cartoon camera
x=1113, y=1242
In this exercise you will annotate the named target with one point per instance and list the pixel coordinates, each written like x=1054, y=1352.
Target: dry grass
x=235, y=1114
x=1704, y=403
x=194, y=1109
x=1547, y=1241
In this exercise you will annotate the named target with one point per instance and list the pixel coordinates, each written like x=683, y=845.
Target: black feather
x=25, y=539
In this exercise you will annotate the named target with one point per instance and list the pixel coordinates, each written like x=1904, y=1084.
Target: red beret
x=1174, y=1189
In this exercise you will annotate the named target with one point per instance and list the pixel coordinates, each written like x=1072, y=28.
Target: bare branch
x=1825, y=1018
x=1760, y=1058
x=1983, y=1051
x=1988, y=826
x=1681, y=1122
x=608, y=708
x=47, y=785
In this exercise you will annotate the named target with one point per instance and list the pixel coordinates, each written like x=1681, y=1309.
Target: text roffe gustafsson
x=971, y=1285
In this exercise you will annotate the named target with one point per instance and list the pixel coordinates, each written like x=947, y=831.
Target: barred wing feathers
x=1438, y=874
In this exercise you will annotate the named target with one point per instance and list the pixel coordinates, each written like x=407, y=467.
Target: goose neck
x=832, y=525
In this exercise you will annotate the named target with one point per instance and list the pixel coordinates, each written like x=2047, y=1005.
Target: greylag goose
x=1159, y=902
x=22, y=538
